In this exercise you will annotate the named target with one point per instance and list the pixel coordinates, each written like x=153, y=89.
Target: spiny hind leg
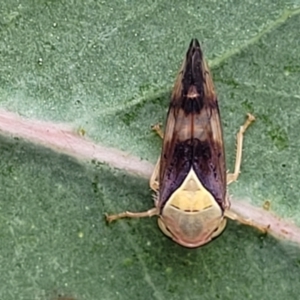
x=233, y=216
x=231, y=177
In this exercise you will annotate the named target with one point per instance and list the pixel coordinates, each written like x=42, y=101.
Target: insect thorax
x=191, y=214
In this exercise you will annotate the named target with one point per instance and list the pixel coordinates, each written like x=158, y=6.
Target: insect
x=190, y=178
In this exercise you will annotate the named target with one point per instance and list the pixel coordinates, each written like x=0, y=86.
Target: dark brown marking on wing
x=193, y=134
x=191, y=105
x=205, y=158
x=192, y=93
x=177, y=170
x=208, y=160
x=193, y=73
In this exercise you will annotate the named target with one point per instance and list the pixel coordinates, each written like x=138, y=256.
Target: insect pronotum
x=190, y=178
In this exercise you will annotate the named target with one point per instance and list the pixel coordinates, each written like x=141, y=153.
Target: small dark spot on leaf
x=292, y=68
x=145, y=87
x=277, y=134
x=248, y=105
x=95, y=184
x=132, y=113
x=127, y=262
x=228, y=81
x=78, y=102
x=279, y=137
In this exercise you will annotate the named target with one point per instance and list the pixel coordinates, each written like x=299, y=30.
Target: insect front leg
x=231, y=177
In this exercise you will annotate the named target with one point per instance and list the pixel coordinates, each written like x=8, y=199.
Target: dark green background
x=108, y=67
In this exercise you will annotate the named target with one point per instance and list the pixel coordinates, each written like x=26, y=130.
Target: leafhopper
x=190, y=178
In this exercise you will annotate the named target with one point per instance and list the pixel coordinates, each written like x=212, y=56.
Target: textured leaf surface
x=108, y=67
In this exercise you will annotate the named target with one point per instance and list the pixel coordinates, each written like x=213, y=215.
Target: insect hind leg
x=249, y=222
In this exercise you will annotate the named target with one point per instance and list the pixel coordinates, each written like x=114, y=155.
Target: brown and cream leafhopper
x=190, y=177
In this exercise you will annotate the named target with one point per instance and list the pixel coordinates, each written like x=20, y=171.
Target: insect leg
x=233, y=216
x=231, y=177
x=127, y=214
x=154, y=185
x=158, y=130
x=154, y=179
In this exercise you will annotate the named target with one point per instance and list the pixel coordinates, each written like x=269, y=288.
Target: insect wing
x=193, y=134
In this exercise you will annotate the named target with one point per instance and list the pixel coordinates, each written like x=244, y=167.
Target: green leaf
x=108, y=68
